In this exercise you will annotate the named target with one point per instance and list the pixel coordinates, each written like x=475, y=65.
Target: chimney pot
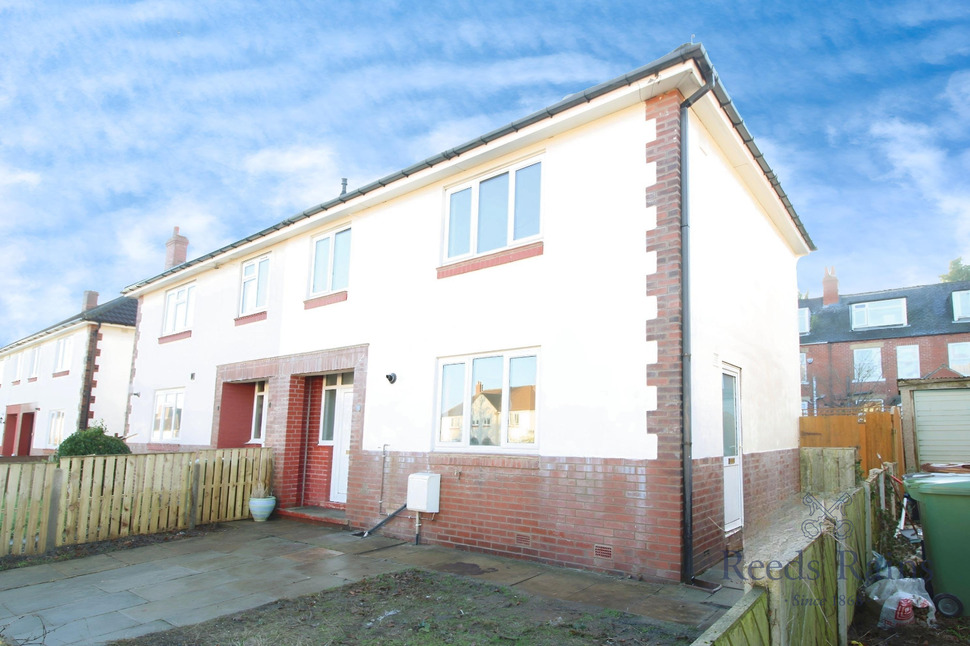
x=176, y=249
x=90, y=301
x=830, y=287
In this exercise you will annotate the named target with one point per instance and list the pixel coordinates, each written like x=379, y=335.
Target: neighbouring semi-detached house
x=854, y=347
x=584, y=322
x=67, y=376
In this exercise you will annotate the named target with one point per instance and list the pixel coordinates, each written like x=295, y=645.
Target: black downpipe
x=687, y=572
x=381, y=524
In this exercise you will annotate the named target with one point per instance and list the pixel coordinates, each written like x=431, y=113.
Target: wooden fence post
x=194, y=496
x=54, y=513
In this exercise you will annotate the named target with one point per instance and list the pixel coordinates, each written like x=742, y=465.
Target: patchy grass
x=418, y=607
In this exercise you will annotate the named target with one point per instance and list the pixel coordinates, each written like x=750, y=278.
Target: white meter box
x=424, y=491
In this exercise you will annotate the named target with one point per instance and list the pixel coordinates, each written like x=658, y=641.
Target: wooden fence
x=877, y=434
x=87, y=499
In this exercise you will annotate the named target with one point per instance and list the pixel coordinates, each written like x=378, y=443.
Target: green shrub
x=92, y=441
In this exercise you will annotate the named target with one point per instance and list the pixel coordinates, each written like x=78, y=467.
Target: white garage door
x=943, y=425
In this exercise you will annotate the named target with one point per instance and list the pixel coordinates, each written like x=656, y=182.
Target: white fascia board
x=684, y=77
x=44, y=336
x=726, y=135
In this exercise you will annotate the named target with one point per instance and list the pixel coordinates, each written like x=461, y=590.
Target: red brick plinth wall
x=770, y=478
x=611, y=515
x=709, y=543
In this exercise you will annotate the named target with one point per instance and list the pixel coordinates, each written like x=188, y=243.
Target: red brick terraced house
x=545, y=317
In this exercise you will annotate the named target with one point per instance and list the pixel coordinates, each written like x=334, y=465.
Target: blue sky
x=119, y=121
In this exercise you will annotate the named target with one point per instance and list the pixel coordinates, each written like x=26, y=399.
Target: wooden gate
x=877, y=434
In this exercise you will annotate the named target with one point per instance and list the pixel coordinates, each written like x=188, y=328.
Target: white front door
x=341, y=444
x=733, y=477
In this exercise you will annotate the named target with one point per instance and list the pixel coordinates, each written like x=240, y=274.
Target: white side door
x=733, y=474
x=341, y=445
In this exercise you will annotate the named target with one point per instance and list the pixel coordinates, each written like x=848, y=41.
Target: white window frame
x=257, y=433
x=961, y=306
x=861, y=313
x=328, y=288
x=804, y=320
x=474, y=185
x=18, y=364
x=504, y=445
x=179, y=309
x=174, y=397
x=63, y=348
x=878, y=375
x=31, y=361
x=901, y=359
x=958, y=356
x=803, y=367
x=260, y=300
x=55, y=428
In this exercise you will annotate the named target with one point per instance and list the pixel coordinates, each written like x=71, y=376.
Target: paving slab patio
x=244, y=564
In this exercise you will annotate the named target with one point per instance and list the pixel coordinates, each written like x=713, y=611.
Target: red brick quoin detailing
x=301, y=469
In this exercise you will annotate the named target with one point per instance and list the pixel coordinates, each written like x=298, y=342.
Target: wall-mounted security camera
x=391, y=378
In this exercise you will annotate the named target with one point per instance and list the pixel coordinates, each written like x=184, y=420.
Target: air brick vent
x=603, y=551
x=523, y=539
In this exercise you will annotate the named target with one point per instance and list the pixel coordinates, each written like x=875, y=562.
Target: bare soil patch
x=419, y=607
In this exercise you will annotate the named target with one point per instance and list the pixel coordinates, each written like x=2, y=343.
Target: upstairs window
x=907, y=362
x=331, y=263
x=255, y=285
x=961, y=306
x=494, y=212
x=803, y=362
x=179, y=309
x=62, y=354
x=867, y=365
x=17, y=362
x=958, y=355
x=488, y=401
x=30, y=363
x=879, y=314
x=804, y=320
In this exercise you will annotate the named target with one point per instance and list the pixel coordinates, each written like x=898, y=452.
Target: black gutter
x=687, y=52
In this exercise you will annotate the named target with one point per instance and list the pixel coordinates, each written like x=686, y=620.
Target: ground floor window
x=488, y=400
x=168, y=415
x=259, y=412
x=55, y=428
x=331, y=385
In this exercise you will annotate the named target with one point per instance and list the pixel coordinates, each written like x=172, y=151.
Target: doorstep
x=316, y=515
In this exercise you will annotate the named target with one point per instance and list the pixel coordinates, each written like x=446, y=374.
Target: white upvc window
x=168, y=414
x=804, y=320
x=867, y=365
x=30, y=362
x=961, y=306
x=332, y=385
x=879, y=314
x=803, y=363
x=488, y=401
x=494, y=211
x=260, y=409
x=63, y=348
x=330, y=266
x=255, y=285
x=55, y=428
x=17, y=362
x=907, y=362
x=179, y=309
x=959, y=357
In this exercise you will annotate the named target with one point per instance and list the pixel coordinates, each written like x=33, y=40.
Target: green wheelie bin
x=944, y=507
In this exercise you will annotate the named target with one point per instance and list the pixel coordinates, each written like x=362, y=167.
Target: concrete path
x=133, y=592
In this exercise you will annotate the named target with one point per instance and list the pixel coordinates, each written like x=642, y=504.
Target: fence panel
x=25, y=507
x=226, y=477
x=877, y=434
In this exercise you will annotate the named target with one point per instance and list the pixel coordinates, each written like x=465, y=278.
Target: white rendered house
x=547, y=317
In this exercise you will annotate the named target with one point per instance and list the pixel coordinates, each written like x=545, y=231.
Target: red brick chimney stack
x=830, y=287
x=90, y=301
x=176, y=249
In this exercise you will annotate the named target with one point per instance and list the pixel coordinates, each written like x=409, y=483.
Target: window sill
x=31, y=380
x=62, y=373
x=328, y=299
x=177, y=336
x=250, y=318
x=501, y=257
x=15, y=383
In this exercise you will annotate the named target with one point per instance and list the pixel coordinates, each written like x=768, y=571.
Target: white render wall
x=743, y=308
x=113, y=375
x=48, y=393
x=582, y=303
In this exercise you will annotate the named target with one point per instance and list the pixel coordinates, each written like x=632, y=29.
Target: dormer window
x=961, y=306
x=874, y=314
x=804, y=320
